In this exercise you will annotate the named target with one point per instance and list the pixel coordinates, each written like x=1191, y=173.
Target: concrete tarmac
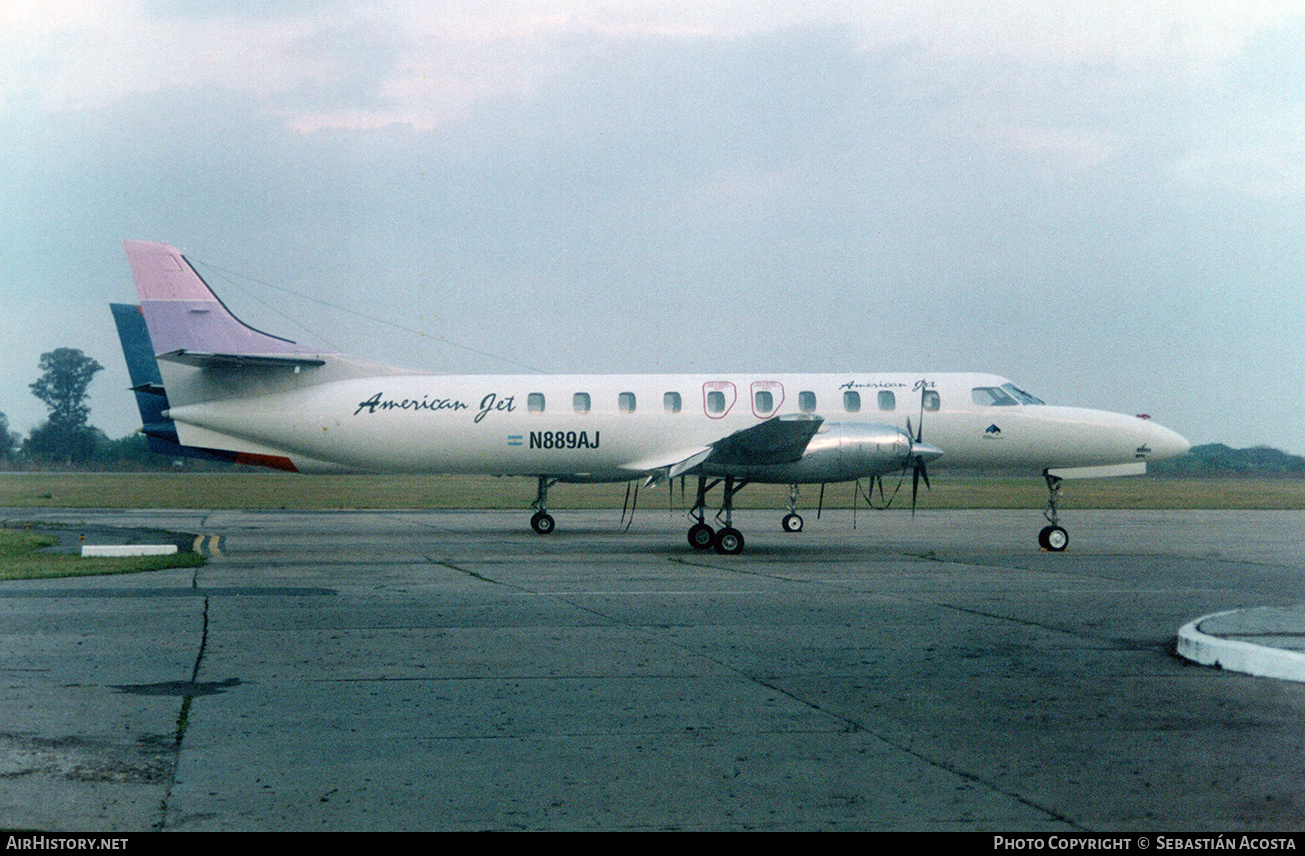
x=454, y=671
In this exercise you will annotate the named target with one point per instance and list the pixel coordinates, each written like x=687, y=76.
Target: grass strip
x=296, y=492
x=21, y=559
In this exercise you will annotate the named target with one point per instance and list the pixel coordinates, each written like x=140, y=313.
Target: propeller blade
x=918, y=472
x=919, y=431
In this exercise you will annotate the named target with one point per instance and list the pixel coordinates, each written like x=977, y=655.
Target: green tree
x=8, y=441
x=65, y=375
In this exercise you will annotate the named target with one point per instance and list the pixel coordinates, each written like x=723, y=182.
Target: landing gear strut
x=728, y=541
x=543, y=522
x=1053, y=537
x=792, y=521
x=700, y=534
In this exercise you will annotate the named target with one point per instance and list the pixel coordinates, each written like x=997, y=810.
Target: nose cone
x=1165, y=443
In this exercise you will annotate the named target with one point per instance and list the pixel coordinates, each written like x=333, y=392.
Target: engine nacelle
x=838, y=452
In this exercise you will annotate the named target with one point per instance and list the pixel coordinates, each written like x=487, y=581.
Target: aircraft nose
x=1165, y=443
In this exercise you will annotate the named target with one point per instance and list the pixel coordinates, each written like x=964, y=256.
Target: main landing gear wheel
x=728, y=541
x=542, y=522
x=701, y=536
x=1053, y=538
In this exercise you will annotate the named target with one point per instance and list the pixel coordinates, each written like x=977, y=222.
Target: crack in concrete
x=183, y=718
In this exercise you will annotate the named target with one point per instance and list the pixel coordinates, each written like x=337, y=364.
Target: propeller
x=920, y=452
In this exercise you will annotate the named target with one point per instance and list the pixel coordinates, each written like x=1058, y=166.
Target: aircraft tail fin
x=184, y=347
x=183, y=314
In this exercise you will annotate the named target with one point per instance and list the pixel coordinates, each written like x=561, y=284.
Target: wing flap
x=670, y=460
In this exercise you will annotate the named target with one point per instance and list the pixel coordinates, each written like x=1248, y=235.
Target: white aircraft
x=208, y=385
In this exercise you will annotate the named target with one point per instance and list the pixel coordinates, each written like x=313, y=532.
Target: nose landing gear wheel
x=729, y=542
x=542, y=522
x=701, y=536
x=1053, y=538
x=792, y=523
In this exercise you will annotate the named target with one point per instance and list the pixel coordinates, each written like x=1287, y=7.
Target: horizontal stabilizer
x=239, y=361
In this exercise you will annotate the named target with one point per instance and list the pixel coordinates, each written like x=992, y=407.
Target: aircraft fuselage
x=614, y=427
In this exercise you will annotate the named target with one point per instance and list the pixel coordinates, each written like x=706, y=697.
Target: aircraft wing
x=779, y=440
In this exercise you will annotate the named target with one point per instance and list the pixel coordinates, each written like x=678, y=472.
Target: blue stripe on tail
x=147, y=383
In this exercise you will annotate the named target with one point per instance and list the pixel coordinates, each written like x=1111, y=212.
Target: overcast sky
x=1102, y=200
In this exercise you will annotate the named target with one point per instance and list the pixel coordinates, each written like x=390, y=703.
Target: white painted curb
x=1237, y=656
x=129, y=550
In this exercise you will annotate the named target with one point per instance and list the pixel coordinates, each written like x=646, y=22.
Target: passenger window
x=930, y=400
x=671, y=401
x=626, y=402
x=763, y=402
x=887, y=399
x=580, y=401
x=807, y=402
x=535, y=402
x=715, y=401
x=852, y=402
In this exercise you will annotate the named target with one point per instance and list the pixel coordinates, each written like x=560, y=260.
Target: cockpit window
x=1006, y=395
x=992, y=396
x=1020, y=395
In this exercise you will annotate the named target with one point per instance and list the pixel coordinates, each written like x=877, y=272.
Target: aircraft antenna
x=228, y=274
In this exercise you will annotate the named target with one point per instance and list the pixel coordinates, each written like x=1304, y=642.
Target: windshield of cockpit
x=1006, y=395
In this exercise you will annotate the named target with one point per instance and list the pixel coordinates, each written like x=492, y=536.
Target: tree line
x=66, y=439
